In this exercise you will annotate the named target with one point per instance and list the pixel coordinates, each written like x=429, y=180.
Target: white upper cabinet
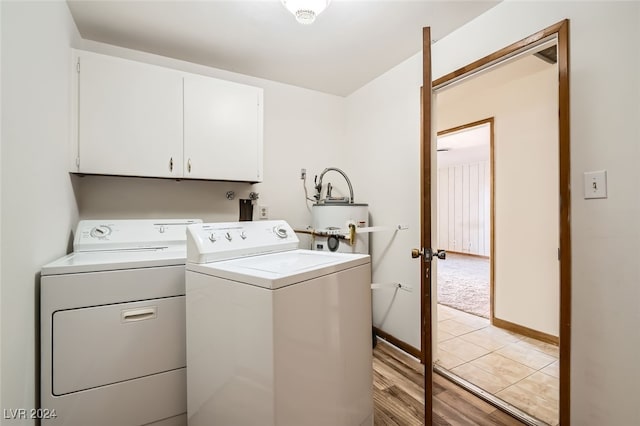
x=129, y=118
x=222, y=130
x=136, y=119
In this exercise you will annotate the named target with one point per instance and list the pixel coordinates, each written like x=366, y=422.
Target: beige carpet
x=463, y=283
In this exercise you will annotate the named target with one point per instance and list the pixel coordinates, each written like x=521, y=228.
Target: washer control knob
x=280, y=232
x=212, y=238
x=100, y=231
x=228, y=236
x=243, y=235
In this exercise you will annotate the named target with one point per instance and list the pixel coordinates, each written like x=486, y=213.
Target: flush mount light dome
x=306, y=11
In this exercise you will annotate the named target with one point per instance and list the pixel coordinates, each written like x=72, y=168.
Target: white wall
x=523, y=98
x=604, y=135
x=302, y=129
x=38, y=206
x=464, y=210
x=383, y=130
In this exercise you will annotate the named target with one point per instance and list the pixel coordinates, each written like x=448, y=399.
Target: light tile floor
x=521, y=371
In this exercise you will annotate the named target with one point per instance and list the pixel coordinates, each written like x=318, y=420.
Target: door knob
x=428, y=254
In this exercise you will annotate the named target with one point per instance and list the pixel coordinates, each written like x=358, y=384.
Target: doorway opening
x=515, y=369
x=558, y=34
x=464, y=217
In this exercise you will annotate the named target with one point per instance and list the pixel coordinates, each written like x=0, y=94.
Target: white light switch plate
x=595, y=184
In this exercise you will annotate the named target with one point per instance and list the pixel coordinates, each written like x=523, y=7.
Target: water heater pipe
x=344, y=175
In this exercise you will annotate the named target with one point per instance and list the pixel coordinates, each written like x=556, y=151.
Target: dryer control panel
x=211, y=242
x=98, y=235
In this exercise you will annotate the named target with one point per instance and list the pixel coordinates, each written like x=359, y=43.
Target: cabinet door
x=129, y=118
x=222, y=130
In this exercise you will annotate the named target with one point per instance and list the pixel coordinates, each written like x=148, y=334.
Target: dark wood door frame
x=561, y=32
x=425, y=224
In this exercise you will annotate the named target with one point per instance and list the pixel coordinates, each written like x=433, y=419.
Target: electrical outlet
x=263, y=212
x=303, y=173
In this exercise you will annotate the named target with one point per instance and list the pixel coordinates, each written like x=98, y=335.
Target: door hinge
x=558, y=253
x=78, y=66
x=78, y=162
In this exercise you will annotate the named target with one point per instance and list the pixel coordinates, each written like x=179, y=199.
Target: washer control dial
x=100, y=231
x=281, y=232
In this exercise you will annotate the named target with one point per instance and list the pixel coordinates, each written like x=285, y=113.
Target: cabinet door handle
x=171, y=164
x=189, y=165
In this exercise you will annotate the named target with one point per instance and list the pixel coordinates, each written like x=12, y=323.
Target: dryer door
x=97, y=346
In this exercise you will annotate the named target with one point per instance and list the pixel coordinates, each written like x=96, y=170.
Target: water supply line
x=338, y=236
x=318, y=182
x=316, y=233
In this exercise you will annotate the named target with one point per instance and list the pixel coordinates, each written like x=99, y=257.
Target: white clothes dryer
x=112, y=318
x=275, y=335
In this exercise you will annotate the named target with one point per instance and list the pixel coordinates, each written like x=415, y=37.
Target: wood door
x=425, y=220
x=561, y=31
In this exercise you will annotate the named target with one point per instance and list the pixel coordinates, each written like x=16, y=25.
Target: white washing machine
x=112, y=317
x=275, y=335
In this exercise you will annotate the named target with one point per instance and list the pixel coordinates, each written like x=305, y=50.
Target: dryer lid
x=113, y=260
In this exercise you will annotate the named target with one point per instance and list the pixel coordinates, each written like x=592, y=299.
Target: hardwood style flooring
x=398, y=395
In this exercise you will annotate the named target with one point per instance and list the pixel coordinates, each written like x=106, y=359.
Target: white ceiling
x=467, y=146
x=351, y=42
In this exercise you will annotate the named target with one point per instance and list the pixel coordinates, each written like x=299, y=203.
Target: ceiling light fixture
x=306, y=11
